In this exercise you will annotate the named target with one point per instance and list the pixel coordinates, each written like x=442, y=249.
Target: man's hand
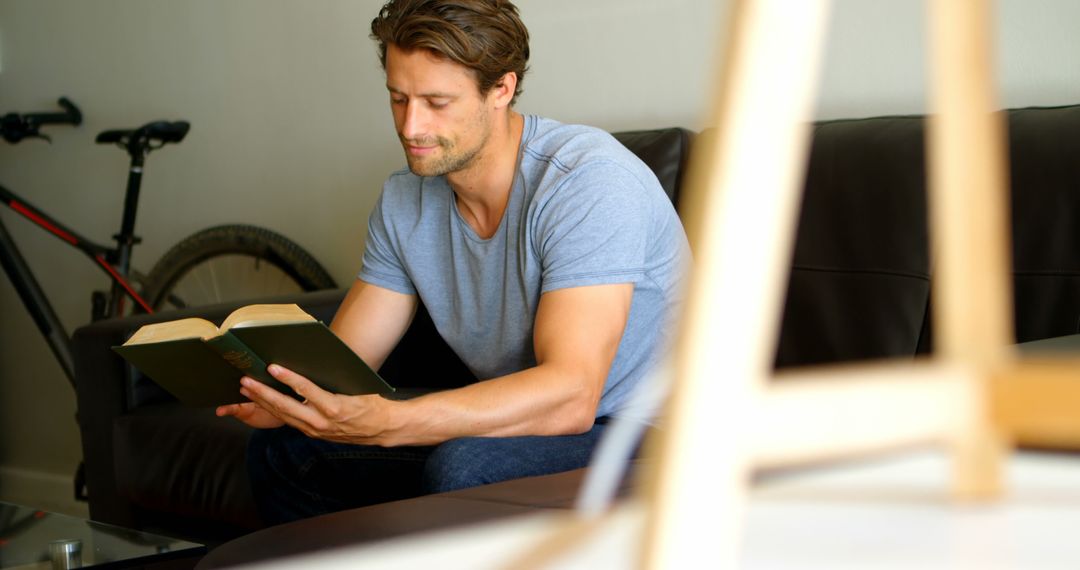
x=251, y=414
x=322, y=415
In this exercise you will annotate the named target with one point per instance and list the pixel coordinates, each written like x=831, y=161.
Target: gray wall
x=291, y=130
x=876, y=56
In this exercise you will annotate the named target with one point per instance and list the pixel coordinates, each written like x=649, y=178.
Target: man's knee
x=474, y=461
x=458, y=464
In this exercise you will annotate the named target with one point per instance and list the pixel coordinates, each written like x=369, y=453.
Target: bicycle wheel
x=232, y=263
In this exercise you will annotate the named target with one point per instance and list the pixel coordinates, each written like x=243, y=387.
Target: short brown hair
x=486, y=36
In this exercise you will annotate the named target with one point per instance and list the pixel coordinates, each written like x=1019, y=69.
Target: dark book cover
x=207, y=373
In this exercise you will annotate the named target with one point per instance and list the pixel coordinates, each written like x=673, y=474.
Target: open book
x=201, y=364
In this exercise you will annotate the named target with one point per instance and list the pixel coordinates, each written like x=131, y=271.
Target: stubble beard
x=451, y=159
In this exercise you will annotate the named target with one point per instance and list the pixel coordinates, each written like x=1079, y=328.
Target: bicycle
x=222, y=263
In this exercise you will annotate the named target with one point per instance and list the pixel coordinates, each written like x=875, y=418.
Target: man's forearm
x=542, y=400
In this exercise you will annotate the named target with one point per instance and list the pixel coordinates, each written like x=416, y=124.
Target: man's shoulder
x=568, y=146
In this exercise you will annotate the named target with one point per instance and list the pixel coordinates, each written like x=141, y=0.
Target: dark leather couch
x=859, y=289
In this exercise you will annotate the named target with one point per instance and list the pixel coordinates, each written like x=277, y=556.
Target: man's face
x=441, y=118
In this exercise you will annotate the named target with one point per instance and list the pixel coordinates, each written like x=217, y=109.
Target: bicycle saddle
x=161, y=131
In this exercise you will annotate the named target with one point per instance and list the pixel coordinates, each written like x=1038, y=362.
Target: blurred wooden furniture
x=971, y=396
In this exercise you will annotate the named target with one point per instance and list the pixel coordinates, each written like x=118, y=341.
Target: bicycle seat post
x=138, y=150
x=137, y=143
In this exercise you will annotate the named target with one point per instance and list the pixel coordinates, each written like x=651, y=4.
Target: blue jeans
x=294, y=476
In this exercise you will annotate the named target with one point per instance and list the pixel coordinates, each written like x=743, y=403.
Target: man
x=547, y=255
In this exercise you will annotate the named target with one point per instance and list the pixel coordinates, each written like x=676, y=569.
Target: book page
x=257, y=315
x=173, y=330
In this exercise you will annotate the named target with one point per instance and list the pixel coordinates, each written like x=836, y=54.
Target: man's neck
x=483, y=189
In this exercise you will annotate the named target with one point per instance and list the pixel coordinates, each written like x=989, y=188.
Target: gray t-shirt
x=583, y=210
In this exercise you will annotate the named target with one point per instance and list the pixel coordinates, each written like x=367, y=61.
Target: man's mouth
x=420, y=147
x=420, y=150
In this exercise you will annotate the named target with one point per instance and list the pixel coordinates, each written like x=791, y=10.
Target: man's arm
x=576, y=334
x=372, y=320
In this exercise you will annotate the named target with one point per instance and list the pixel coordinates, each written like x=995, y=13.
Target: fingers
x=288, y=410
x=240, y=411
x=269, y=408
x=314, y=397
x=228, y=410
x=250, y=414
x=306, y=389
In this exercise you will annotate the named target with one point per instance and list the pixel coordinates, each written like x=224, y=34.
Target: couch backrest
x=859, y=286
x=860, y=275
x=1044, y=157
x=665, y=151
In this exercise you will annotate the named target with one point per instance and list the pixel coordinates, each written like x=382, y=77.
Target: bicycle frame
x=114, y=261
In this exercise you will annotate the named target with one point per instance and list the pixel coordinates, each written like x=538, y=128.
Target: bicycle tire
x=233, y=262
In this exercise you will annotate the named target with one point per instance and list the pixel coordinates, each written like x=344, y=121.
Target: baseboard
x=42, y=490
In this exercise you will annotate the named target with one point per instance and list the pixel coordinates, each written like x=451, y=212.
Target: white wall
x=290, y=128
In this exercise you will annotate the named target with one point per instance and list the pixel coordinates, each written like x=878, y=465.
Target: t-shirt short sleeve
x=381, y=264
x=589, y=230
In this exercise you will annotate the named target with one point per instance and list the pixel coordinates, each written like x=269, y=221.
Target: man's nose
x=414, y=121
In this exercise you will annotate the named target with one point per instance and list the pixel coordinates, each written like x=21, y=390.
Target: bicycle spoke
x=233, y=263
x=230, y=278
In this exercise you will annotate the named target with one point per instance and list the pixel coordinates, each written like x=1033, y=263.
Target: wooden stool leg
x=743, y=196
x=969, y=227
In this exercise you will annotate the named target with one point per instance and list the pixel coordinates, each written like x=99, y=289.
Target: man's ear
x=502, y=93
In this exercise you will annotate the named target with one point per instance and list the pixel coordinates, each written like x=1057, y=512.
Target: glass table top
x=32, y=539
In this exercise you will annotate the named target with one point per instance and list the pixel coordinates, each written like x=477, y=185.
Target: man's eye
x=397, y=101
x=438, y=104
